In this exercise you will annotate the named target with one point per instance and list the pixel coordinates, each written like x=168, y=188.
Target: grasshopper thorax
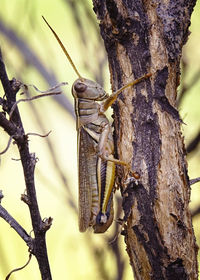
x=87, y=89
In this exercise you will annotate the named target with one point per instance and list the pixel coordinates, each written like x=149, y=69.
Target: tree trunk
x=142, y=37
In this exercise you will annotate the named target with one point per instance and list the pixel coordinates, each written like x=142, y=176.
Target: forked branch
x=14, y=128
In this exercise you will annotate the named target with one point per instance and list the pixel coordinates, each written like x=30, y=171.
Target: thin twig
x=194, y=181
x=37, y=134
x=19, y=268
x=16, y=226
x=49, y=92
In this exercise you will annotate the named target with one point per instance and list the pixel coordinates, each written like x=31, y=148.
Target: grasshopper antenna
x=64, y=49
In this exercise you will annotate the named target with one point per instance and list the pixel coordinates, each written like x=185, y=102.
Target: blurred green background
x=32, y=55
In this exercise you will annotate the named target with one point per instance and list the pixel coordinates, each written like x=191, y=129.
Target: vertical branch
x=14, y=128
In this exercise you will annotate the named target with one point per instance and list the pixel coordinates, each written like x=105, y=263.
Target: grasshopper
x=96, y=163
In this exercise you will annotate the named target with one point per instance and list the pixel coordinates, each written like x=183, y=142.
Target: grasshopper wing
x=88, y=191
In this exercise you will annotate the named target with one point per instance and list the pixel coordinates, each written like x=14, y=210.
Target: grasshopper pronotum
x=96, y=163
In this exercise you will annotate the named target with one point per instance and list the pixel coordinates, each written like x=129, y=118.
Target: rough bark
x=142, y=37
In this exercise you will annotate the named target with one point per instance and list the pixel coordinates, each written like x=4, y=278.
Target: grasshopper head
x=87, y=89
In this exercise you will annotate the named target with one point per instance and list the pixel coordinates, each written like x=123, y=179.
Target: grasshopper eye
x=80, y=87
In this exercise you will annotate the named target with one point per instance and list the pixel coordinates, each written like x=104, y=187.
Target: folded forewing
x=88, y=192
